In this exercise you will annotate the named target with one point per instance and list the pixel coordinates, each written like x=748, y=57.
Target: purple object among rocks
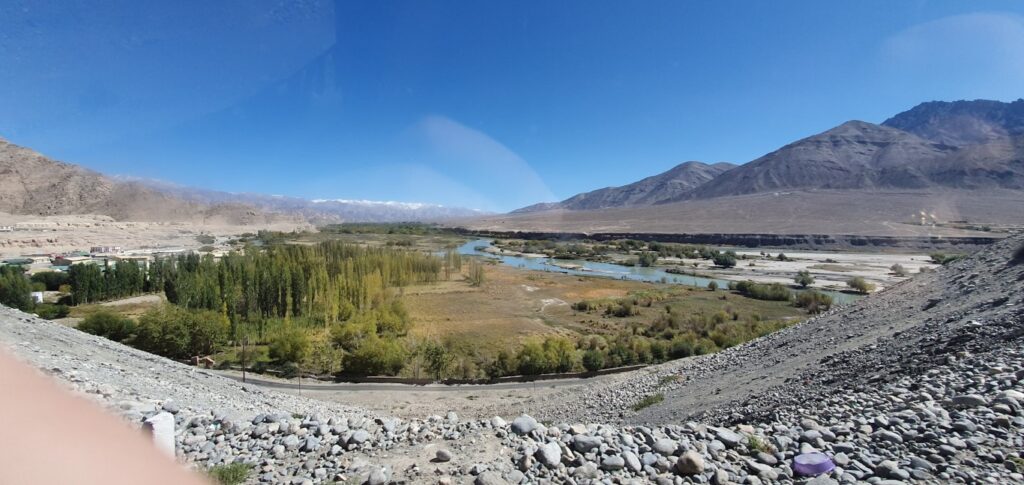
x=812, y=464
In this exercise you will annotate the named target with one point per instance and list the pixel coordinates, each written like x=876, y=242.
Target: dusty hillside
x=32, y=184
x=666, y=186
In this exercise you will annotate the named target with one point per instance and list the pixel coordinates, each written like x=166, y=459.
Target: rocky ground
x=922, y=382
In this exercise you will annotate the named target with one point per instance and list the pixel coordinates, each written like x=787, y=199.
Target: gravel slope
x=905, y=330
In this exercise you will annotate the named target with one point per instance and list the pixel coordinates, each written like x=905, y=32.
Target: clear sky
x=483, y=104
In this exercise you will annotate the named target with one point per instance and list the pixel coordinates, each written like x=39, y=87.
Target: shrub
x=898, y=270
x=804, y=278
x=533, y=360
x=712, y=285
x=323, y=357
x=179, y=333
x=859, y=284
x=761, y=291
x=233, y=474
x=15, y=289
x=289, y=346
x=593, y=360
x=502, y=365
x=476, y=275
x=624, y=308
x=438, y=358
x=725, y=260
x=942, y=258
x=813, y=301
x=376, y=356
x=649, y=401
x=109, y=325
x=581, y=306
x=51, y=279
x=50, y=311
x=758, y=443
x=648, y=258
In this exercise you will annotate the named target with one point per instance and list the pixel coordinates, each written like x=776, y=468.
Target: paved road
x=348, y=386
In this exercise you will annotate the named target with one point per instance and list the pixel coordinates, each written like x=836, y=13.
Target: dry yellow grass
x=514, y=305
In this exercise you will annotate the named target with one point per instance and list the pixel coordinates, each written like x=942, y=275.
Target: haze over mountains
x=32, y=184
x=317, y=211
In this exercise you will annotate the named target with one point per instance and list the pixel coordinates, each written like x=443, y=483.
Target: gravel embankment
x=923, y=382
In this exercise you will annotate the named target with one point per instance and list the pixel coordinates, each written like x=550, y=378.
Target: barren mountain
x=864, y=156
x=962, y=122
x=957, y=161
x=665, y=186
x=32, y=184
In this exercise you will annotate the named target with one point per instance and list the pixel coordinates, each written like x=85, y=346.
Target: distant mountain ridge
x=32, y=184
x=960, y=123
x=665, y=186
x=319, y=211
x=935, y=146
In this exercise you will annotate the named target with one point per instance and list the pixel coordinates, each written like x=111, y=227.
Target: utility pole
x=243, y=357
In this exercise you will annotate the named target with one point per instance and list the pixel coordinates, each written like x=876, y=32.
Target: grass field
x=515, y=305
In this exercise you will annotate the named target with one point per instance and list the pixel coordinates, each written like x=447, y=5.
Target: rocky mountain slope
x=920, y=383
x=961, y=123
x=665, y=186
x=863, y=156
x=32, y=184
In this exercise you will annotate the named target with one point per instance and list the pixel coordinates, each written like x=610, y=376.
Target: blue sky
x=491, y=105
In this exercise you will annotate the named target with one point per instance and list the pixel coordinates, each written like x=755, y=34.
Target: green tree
x=593, y=360
x=376, y=356
x=560, y=353
x=804, y=278
x=51, y=279
x=725, y=260
x=290, y=345
x=503, y=365
x=647, y=258
x=476, y=276
x=859, y=284
x=438, y=359
x=109, y=325
x=180, y=333
x=15, y=289
x=813, y=301
x=532, y=359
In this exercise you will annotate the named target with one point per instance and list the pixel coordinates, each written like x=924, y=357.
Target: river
x=608, y=270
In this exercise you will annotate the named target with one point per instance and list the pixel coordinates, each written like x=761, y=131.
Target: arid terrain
x=881, y=213
x=59, y=234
